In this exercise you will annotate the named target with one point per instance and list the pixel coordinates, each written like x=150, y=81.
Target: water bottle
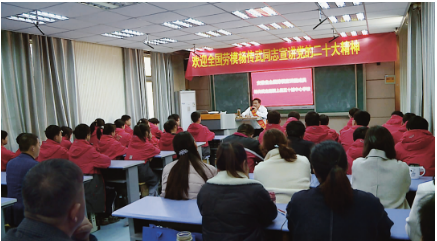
x=184, y=236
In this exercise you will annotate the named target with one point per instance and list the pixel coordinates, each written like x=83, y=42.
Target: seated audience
x=397, y=135
x=244, y=136
x=124, y=137
x=324, y=122
x=295, y=133
x=52, y=148
x=282, y=171
x=273, y=122
x=361, y=118
x=109, y=146
x=128, y=122
x=418, y=145
x=333, y=210
x=96, y=132
x=395, y=121
x=66, y=136
x=141, y=148
x=176, y=118
x=424, y=192
x=166, y=141
x=54, y=204
x=234, y=207
x=292, y=116
x=427, y=219
x=379, y=172
x=7, y=155
x=351, y=114
x=200, y=133
x=314, y=132
x=356, y=150
x=17, y=169
x=153, y=122
x=145, y=121
x=183, y=179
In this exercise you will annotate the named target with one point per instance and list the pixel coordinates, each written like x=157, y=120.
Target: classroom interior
x=82, y=61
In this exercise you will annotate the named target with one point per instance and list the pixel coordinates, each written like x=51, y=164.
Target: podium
x=220, y=124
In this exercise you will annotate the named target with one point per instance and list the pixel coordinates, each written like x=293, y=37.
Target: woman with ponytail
x=333, y=210
x=96, y=132
x=153, y=138
x=282, y=171
x=234, y=207
x=183, y=179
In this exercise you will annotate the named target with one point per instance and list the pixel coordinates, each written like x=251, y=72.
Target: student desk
x=199, y=147
x=130, y=171
x=3, y=177
x=166, y=157
x=398, y=216
x=6, y=202
x=220, y=137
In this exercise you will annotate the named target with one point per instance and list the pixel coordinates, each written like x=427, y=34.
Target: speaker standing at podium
x=257, y=110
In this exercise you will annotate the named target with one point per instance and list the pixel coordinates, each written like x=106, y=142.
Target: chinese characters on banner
x=317, y=52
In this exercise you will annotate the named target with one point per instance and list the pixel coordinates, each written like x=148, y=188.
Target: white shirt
x=262, y=112
x=424, y=191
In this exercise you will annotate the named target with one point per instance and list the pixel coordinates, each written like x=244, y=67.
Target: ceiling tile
x=385, y=6
x=171, y=33
x=72, y=24
x=350, y=29
x=301, y=15
x=176, y=5
x=200, y=41
x=285, y=30
x=218, y=18
x=266, y=20
x=99, y=29
x=137, y=10
x=308, y=22
x=385, y=23
x=277, y=3
x=232, y=24
x=350, y=24
x=153, y=28
x=247, y=29
x=14, y=25
x=130, y=23
x=320, y=36
x=103, y=17
x=381, y=30
x=115, y=42
x=72, y=9
x=265, y=38
x=296, y=7
x=46, y=29
x=9, y=10
x=295, y=32
x=257, y=34
x=344, y=10
x=199, y=11
x=188, y=37
x=386, y=13
x=72, y=35
x=33, y=5
x=226, y=38
x=270, y=41
x=325, y=25
x=160, y=18
x=203, y=28
x=93, y=39
x=238, y=6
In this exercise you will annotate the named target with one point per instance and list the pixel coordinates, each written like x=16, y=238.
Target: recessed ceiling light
x=208, y=48
x=203, y=35
x=365, y=32
x=240, y=14
x=354, y=33
x=184, y=24
x=169, y=40
x=360, y=16
x=264, y=27
x=27, y=20
x=346, y=18
x=171, y=25
x=26, y=15
x=224, y=32
x=275, y=25
x=111, y=35
x=49, y=15
x=356, y=3
x=269, y=11
x=343, y=34
x=128, y=31
x=213, y=33
x=254, y=43
x=333, y=19
x=108, y=5
x=122, y=34
x=254, y=13
x=324, y=5
x=287, y=39
x=245, y=44
x=238, y=45
x=288, y=24
x=297, y=39
x=340, y=4
x=306, y=37
x=194, y=21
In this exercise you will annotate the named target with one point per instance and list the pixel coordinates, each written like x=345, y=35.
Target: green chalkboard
x=231, y=92
x=334, y=88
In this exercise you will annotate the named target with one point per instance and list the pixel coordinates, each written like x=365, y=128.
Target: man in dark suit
x=244, y=136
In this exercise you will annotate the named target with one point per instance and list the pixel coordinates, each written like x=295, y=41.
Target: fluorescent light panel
x=245, y=44
x=347, y=18
x=254, y=43
x=169, y=40
x=354, y=33
x=306, y=37
x=49, y=15
x=237, y=45
x=297, y=39
x=288, y=24
x=161, y=41
x=360, y=16
x=224, y=32
x=128, y=31
x=26, y=15
x=333, y=19
x=275, y=25
x=254, y=13
x=324, y=5
x=108, y=5
x=343, y=34
x=269, y=11
x=287, y=39
x=27, y=20
x=356, y=3
x=111, y=35
x=203, y=35
x=212, y=33
x=184, y=24
x=194, y=21
x=208, y=48
x=340, y=4
x=240, y=14
x=171, y=25
x=365, y=32
x=262, y=26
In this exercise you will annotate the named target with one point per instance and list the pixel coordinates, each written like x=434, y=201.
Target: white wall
x=100, y=82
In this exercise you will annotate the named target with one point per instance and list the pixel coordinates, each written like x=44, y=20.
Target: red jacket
x=317, y=134
x=111, y=147
x=66, y=143
x=7, y=155
x=393, y=124
x=17, y=153
x=155, y=130
x=141, y=150
x=166, y=142
x=94, y=140
x=290, y=119
x=128, y=130
x=201, y=133
x=125, y=137
x=418, y=146
x=348, y=125
x=332, y=132
x=179, y=130
x=347, y=137
x=397, y=135
x=268, y=127
x=50, y=149
x=354, y=152
x=87, y=157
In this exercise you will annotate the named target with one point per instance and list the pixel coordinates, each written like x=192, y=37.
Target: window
x=149, y=86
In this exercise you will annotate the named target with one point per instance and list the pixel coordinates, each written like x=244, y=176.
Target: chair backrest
x=252, y=159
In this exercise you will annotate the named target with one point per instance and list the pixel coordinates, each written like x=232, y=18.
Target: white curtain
x=163, y=86
x=135, y=84
x=428, y=58
x=403, y=59
x=414, y=52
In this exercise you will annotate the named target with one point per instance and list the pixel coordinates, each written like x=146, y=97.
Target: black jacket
x=247, y=142
x=234, y=209
x=301, y=146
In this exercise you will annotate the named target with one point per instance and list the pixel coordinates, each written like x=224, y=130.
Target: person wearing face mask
x=257, y=110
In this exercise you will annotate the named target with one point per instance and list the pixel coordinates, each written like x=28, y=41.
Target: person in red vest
x=352, y=112
x=356, y=150
x=176, y=118
x=153, y=123
x=395, y=122
x=273, y=120
x=314, y=132
x=292, y=116
x=397, y=135
x=417, y=145
x=109, y=146
x=324, y=122
x=7, y=155
x=51, y=148
x=96, y=132
x=123, y=137
x=166, y=141
x=66, y=136
x=361, y=118
x=200, y=133
x=127, y=122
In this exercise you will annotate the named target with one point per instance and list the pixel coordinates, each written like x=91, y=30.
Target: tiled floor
x=113, y=232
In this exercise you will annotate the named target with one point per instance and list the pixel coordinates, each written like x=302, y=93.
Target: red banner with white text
x=298, y=54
